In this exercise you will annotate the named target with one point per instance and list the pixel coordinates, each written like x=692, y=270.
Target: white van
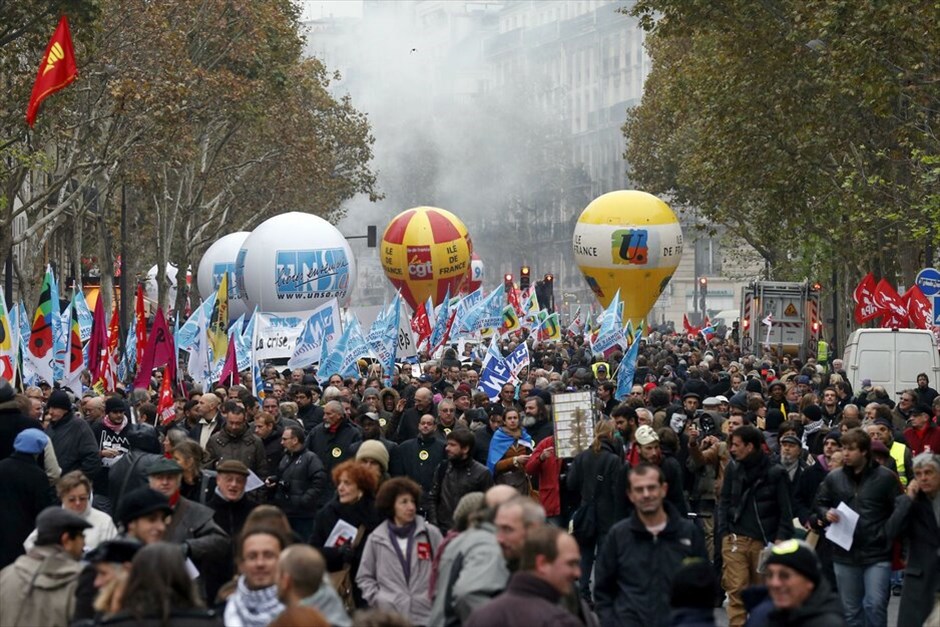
x=891, y=358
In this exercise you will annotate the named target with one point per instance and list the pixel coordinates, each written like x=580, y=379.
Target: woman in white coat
x=395, y=571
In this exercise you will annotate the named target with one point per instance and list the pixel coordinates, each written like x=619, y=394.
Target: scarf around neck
x=252, y=608
x=406, y=531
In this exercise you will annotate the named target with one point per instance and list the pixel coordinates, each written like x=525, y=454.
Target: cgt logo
x=630, y=246
x=419, y=263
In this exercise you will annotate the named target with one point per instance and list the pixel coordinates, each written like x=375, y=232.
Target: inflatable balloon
x=217, y=260
x=475, y=274
x=425, y=251
x=631, y=241
x=150, y=285
x=294, y=262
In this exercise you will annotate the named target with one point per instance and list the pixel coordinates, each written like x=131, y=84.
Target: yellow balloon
x=631, y=241
x=426, y=251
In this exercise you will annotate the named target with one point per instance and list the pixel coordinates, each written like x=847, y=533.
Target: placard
x=573, y=416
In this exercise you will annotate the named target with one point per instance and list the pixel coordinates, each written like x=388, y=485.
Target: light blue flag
x=517, y=359
x=243, y=343
x=356, y=348
x=189, y=331
x=235, y=329
x=439, y=330
x=488, y=313
x=611, y=333
x=324, y=322
x=129, y=360
x=463, y=308
x=429, y=307
x=331, y=361
x=388, y=347
x=626, y=371
x=22, y=319
x=85, y=316
x=378, y=329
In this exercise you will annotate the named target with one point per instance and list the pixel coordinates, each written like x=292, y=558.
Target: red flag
x=56, y=70
x=918, y=308
x=865, y=306
x=160, y=352
x=98, y=344
x=114, y=331
x=166, y=405
x=421, y=324
x=689, y=329
x=890, y=306
x=140, y=321
x=230, y=368
x=514, y=298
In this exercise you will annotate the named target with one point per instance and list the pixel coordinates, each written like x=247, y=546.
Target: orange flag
x=56, y=71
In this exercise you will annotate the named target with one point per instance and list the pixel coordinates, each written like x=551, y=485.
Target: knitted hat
x=469, y=503
x=835, y=434
x=30, y=441
x=59, y=399
x=772, y=420
x=645, y=435
x=884, y=422
x=753, y=385
x=114, y=404
x=374, y=450
x=812, y=412
x=798, y=556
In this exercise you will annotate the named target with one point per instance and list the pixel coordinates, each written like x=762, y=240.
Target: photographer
x=708, y=456
x=299, y=485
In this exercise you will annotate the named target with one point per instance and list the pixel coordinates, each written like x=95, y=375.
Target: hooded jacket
x=39, y=588
x=75, y=445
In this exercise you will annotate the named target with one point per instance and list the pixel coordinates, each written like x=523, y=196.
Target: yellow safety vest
x=897, y=453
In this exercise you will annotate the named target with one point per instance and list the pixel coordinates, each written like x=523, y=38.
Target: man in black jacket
x=873, y=492
x=754, y=511
x=406, y=424
x=459, y=474
x=418, y=458
x=24, y=492
x=309, y=413
x=332, y=441
x=642, y=554
x=299, y=488
x=72, y=439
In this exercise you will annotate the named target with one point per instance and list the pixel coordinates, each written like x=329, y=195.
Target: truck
x=890, y=358
x=780, y=318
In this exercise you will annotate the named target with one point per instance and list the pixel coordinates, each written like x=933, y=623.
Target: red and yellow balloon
x=425, y=251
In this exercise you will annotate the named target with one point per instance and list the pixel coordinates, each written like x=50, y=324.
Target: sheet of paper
x=191, y=569
x=841, y=532
x=254, y=482
x=342, y=533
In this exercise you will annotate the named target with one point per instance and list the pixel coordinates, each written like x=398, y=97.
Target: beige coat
x=39, y=588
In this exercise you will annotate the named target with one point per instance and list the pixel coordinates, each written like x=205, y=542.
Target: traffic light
x=702, y=293
x=372, y=236
x=507, y=281
x=524, y=278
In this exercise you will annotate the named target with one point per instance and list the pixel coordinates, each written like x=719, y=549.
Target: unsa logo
x=419, y=263
x=630, y=246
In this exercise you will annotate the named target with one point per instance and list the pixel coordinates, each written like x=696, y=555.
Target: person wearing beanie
x=111, y=434
x=797, y=592
x=374, y=453
x=24, y=492
x=455, y=477
x=299, y=488
x=72, y=438
x=863, y=573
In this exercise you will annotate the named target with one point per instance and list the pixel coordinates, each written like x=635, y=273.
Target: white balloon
x=150, y=286
x=220, y=258
x=294, y=262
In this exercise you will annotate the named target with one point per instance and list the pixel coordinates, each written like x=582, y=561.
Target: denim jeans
x=865, y=591
x=589, y=547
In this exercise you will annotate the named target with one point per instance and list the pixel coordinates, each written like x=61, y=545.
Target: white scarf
x=252, y=608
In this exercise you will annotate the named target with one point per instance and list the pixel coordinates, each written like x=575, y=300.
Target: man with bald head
x=418, y=459
x=211, y=420
x=332, y=440
x=405, y=425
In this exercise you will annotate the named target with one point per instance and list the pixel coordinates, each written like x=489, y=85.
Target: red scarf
x=333, y=428
x=175, y=499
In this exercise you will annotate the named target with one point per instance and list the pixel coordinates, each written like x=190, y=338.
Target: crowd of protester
x=421, y=501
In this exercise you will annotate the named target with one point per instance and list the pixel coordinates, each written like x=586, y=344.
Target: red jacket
x=547, y=472
x=918, y=442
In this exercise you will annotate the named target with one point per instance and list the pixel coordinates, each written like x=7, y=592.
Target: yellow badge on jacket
x=423, y=456
x=337, y=452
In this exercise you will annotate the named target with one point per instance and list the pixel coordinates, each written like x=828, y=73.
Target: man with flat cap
x=191, y=524
x=39, y=587
x=142, y=515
